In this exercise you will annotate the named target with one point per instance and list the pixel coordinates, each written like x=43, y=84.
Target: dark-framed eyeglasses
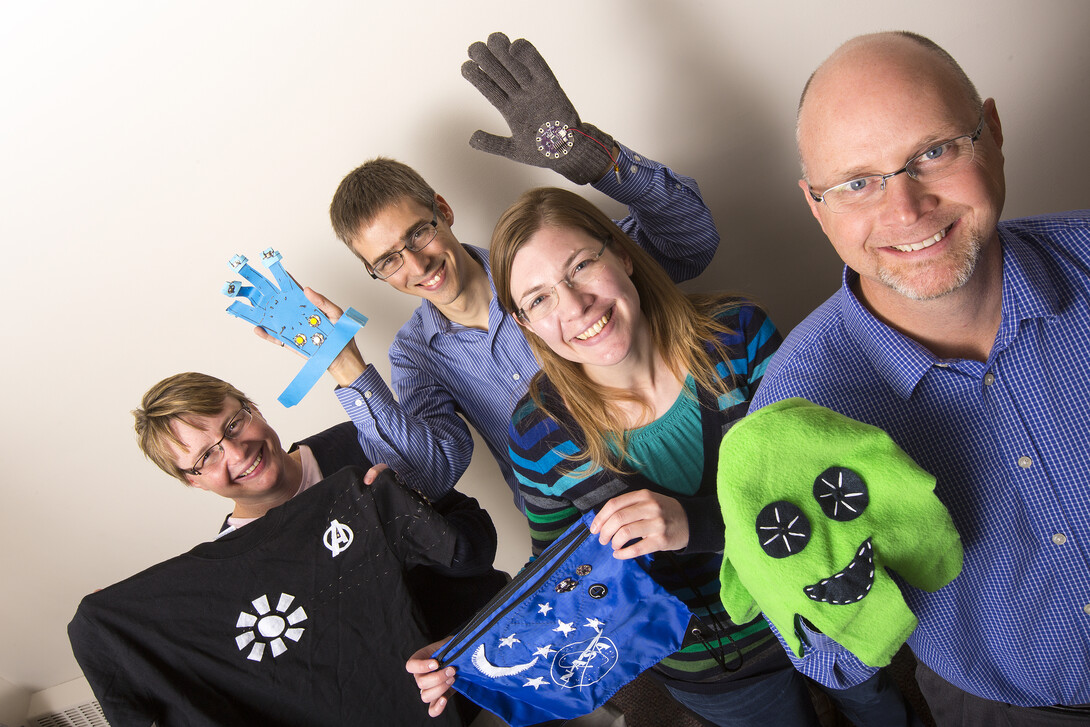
x=938, y=162
x=417, y=240
x=233, y=430
x=583, y=272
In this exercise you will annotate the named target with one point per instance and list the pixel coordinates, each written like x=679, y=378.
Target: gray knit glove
x=517, y=81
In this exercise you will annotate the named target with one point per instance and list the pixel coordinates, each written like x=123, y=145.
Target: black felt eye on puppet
x=782, y=529
x=841, y=493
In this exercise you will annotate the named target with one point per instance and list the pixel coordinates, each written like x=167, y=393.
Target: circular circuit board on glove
x=554, y=139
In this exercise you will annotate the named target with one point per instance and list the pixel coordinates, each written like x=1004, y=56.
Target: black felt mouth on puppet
x=849, y=585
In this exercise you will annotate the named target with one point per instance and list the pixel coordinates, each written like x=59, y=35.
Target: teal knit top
x=670, y=450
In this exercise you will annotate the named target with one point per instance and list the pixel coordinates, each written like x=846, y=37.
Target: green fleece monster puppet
x=816, y=507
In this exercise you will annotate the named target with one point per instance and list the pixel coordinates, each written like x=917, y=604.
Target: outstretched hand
x=655, y=522
x=545, y=128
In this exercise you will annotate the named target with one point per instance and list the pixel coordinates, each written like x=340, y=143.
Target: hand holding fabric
x=434, y=684
x=654, y=521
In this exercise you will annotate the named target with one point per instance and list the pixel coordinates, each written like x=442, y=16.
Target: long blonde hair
x=681, y=326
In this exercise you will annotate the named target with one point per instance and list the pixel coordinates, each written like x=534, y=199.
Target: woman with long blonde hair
x=638, y=382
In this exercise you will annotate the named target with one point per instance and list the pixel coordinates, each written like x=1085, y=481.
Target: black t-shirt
x=303, y=617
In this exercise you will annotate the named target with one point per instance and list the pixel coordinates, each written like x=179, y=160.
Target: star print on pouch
x=575, y=625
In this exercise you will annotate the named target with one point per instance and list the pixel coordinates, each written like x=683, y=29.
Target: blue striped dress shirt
x=445, y=374
x=1007, y=441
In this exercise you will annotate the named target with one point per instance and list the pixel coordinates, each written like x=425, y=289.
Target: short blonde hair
x=176, y=398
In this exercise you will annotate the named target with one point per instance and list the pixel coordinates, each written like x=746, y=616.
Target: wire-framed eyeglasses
x=233, y=430
x=938, y=162
x=583, y=272
x=417, y=240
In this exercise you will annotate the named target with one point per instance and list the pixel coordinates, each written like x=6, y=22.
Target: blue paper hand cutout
x=286, y=314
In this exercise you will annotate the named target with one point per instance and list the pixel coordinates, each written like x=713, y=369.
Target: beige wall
x=13, y=704
x=143, y=144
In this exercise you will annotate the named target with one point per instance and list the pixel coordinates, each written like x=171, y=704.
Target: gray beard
x=966, y=264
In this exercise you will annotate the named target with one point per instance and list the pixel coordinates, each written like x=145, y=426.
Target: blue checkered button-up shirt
x=1009, y=442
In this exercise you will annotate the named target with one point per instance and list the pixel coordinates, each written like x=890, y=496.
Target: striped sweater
x=556, y=491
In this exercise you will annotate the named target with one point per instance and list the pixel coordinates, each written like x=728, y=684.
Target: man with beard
x=964, y=338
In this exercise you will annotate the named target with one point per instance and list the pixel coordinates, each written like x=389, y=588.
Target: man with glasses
x=966, y=339
x=209, y=435
x=333, y=587
x=459, y=355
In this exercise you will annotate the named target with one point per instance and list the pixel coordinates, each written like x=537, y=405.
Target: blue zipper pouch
x=566, y=633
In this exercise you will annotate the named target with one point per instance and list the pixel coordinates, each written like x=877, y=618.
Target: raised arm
x=667, y=215
x=419, y=434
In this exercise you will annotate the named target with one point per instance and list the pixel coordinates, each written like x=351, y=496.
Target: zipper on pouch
x=563, y=547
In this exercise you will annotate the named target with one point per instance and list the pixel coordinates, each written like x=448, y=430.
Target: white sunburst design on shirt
x=268, y=628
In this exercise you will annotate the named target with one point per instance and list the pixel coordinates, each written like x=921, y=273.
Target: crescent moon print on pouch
x=495, y=672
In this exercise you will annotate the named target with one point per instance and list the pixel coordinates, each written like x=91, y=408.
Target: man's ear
x=813, y=203
x=815, y=206
x=444, y=210
x=194, y=482
x=991, y=120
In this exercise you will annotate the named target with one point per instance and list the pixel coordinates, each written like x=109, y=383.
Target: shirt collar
x=899, y=360
x=1027, y=293
x=434, y=322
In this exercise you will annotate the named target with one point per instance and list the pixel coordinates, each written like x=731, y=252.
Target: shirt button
x=359, y=402
x=1086, y=608
x=989, y=379
x=1059, y=538
x=633, y=169
x=1025, y=462
x=677, y=185
x=367, y=395
x=515, y=377
x=637, y=157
